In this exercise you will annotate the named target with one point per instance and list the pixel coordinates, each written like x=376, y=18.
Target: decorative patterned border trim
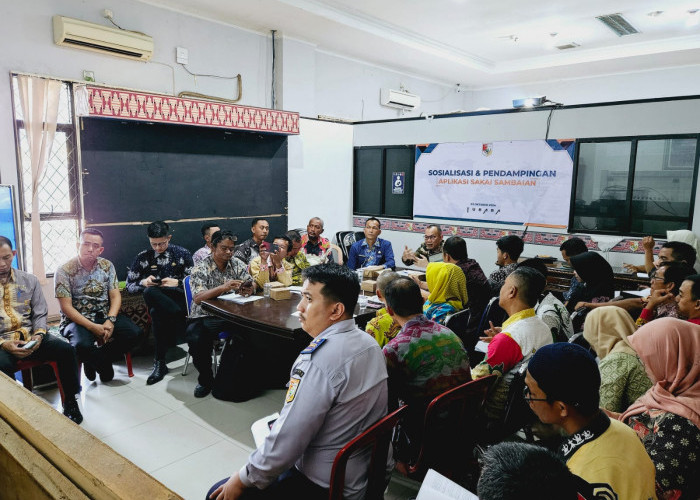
x=490, y=233
x=131, y=105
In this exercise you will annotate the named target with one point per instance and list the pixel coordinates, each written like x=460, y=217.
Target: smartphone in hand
x=157, y=281
x=29, y=344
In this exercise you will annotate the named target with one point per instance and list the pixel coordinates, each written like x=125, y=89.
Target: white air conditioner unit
x=399, y=99
x=89, y=36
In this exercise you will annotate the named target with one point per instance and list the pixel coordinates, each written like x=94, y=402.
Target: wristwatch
x=113, y=319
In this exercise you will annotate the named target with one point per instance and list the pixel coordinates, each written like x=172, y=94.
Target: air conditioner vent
x=567, y=46
x=618, y=24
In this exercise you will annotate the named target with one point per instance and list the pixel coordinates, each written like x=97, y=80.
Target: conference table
x=272, y=330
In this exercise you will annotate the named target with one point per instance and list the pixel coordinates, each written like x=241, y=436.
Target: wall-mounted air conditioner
x=79, y=34
x=399, y=99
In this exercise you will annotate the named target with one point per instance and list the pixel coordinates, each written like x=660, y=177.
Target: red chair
x=26, y=365
x=378, y=436
x=127, y=359
x=450, y=429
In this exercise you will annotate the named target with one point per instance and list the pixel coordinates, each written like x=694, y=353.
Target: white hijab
x=689, y=237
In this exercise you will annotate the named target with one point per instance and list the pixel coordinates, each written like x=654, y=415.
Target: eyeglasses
x=656, y=278
x=430, y=237
x=527, y=396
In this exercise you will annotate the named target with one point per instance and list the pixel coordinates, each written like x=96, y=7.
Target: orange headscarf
x=670, y=351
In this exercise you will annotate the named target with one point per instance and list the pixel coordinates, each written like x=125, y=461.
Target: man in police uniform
x=337, y=390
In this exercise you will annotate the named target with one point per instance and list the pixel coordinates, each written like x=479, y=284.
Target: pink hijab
x=670, y=351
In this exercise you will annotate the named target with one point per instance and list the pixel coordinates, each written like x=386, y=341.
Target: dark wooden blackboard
x=134, y=173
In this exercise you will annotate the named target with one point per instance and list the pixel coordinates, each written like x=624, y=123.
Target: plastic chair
x=459, y=323
x=25, y=366
x=517, y=414
x=450, y=429
x=223, y=336
x=378, y=437
x=127, y=360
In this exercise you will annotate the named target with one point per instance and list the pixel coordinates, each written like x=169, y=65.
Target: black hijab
x=596, y=273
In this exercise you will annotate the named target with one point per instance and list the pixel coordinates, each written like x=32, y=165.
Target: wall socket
x=181, y=55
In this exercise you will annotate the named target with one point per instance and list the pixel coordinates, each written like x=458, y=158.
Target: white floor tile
x=223, y=417
x=174, y=391
x=192, y=476
x=161, y=441
x=104, y=416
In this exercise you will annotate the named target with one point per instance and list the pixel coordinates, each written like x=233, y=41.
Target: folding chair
x=378, y=437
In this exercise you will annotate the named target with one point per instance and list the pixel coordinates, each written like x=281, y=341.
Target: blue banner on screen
x=511, y=182
x=7, y=218
x=398, y=182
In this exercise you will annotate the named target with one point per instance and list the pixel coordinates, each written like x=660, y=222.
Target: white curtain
x=39, y=99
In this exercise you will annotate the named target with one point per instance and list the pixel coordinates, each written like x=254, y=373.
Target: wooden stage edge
x=45, y=455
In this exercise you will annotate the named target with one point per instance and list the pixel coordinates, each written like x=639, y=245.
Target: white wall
x=320, y=175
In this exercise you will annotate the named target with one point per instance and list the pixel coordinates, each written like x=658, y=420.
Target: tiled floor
x=186, y=443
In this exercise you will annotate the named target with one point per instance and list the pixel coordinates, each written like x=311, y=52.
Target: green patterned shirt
x=622, y=380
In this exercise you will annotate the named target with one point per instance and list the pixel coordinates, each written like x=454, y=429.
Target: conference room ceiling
x=476, y=43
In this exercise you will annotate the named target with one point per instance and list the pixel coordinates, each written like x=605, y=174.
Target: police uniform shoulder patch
x=315, y=344
x=292, y=391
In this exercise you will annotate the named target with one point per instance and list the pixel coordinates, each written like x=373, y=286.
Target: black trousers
x=289, y=485
x=124, y=338
x=168, y=309
x=200, y=335
x=50, y=349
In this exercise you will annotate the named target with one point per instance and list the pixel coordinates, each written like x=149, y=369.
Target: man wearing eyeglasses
x=429, y=251
x=158, y=273
x=562, y=387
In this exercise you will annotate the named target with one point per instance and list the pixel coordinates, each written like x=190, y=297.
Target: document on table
x=437, y=487
x=261, y=428
x=639, y=293
x=239, y=299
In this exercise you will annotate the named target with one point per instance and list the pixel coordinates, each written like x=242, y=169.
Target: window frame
x=634, y=142
x=73, y=165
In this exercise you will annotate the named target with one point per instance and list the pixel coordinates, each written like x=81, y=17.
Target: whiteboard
x=508, y=182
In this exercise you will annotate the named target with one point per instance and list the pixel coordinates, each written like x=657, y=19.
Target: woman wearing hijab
x=667, y=416
x=622, y=375
x=598, y=278
x=448, y=291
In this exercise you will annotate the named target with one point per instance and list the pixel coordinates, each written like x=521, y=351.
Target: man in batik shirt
x=296, y=258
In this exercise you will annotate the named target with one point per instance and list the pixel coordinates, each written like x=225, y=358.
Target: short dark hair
x=206, y=227
x=530, y=284
x=285, y=238
x=5, y=241
x=221, y=235
x=340, y=284
x=681, y=252
x=404, y=297
x=455, y=247
x=695, y=290
x=256, y=220
x=511, y=244
x=436, y=226
x=676, y=272
x=92, y=230
x=573, y=246
x=374, y=219
x=536, y=264
x=510, y=470
x=293, y=235
x=158, y=229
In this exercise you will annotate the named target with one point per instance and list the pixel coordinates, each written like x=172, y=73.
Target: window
x=59, y=200
x=635, y=186
x=383, y=181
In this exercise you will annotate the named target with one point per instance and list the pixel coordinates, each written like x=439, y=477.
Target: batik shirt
x=478, y=289
x=247, y=251
x=201, y=254
x=623, y=380
x=361, y=255
x=575, y=288
x=206, y=275
x=673, y=443
x=300, y=262
x=665, y=310
x=315, y=252
x=175, y=262
x=423, y=251
x=24, y=309
x=382, y=327
x=498, y=277
x=88, y=289
x=425, y=359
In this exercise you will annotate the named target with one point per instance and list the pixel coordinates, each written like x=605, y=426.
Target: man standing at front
x=88, y=294
x=372, y=250
x=250, y=248
x=337, y=390
x=158, y=274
